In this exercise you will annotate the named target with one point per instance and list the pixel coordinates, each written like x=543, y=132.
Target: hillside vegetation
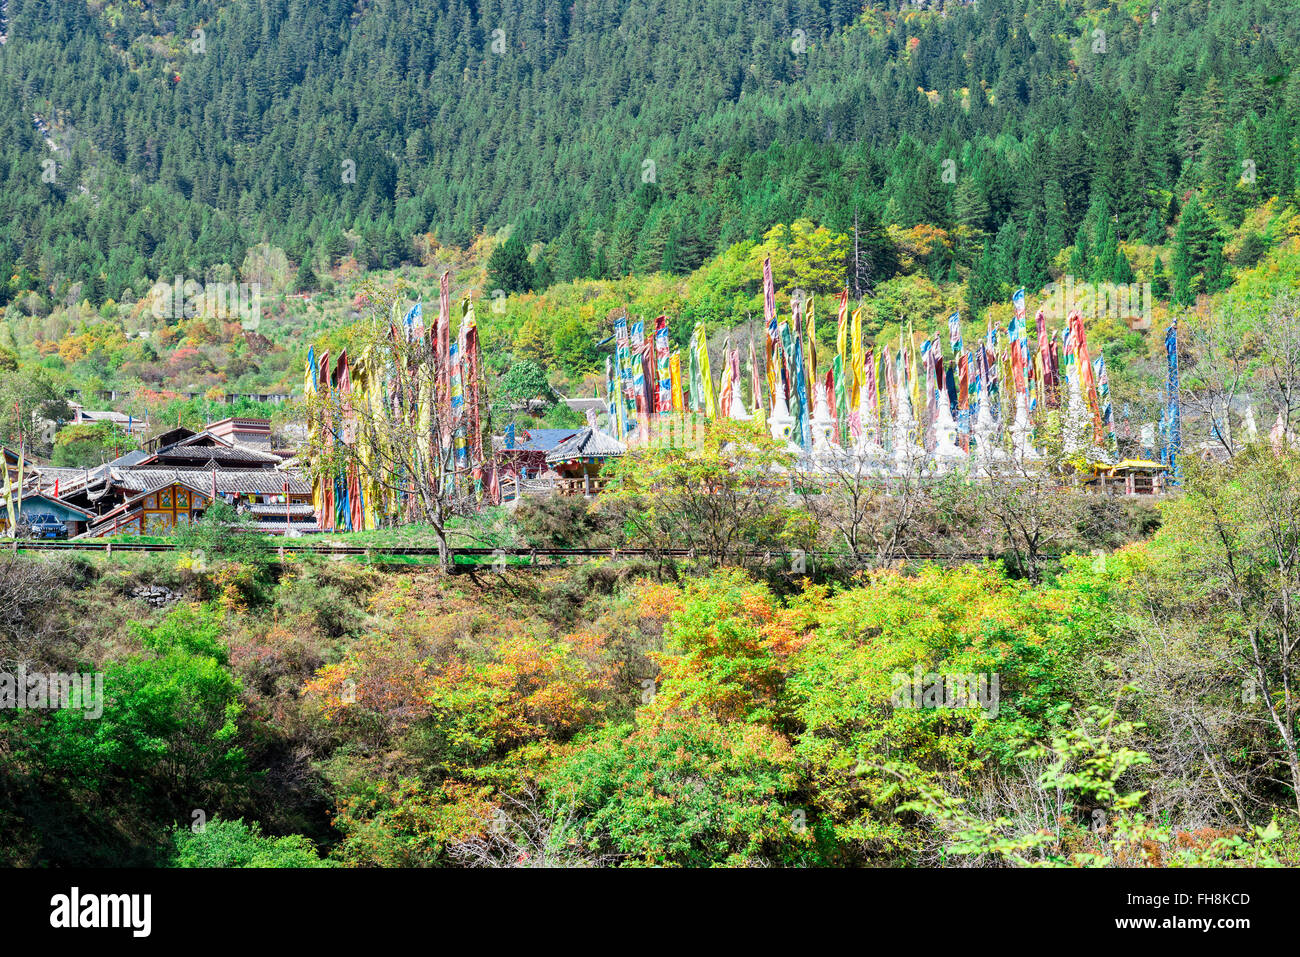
x=619, y=714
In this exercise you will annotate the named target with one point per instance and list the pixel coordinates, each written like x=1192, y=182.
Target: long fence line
x=489, y=556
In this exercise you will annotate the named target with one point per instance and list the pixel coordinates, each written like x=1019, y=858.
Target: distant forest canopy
x=618, y=138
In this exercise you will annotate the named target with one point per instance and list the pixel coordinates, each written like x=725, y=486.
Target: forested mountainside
x=148, y=139
x=780, y=674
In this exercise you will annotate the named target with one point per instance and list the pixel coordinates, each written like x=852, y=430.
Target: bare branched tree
x=27, y=585
x=397, y=430
x=871, y=506
x=1215, y=373
x=1241, y=354
x=527, y=832
x=1280, y=350
x=1240, y=524
x=1030, y=511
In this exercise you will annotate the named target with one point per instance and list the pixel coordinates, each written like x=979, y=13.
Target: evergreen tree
x=1153, y=233
x=543, y=275
x=1186, y=283
x=1078, y=264
x=970, y=206
x=305, y=280
x=1198, y=255
x=1006, y=250
x=1159, y=282
x=1054, y=218
x=983, y=286
x=1252, y=249
x=1032, y=269
x=1103, y=263
x=508, y=268
x=1122, y=274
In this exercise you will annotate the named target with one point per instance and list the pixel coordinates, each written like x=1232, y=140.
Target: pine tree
x=1054, y=219
x=1159, y=282
x=1199, y=265
x=1122, y=274
x=1185, y=282
x=1079, y=254
x=305, y=280
x=1103, y=263
x=1153, y=233
x=1006, y=251
x=1033, y=267
x=970, y=205
x=672, y=254
x=543, y=275
x=508, y=268
x=983, y=286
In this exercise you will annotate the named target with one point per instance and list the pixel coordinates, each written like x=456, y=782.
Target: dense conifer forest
x=626, y=138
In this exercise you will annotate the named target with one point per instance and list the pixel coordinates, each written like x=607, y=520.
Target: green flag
x=841, y=400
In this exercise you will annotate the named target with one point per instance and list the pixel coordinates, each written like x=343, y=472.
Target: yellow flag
x=675, y=375
x=702, y=350
x=859, y=357
x=812, y=346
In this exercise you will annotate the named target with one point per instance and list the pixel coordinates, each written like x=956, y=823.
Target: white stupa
x=987, y=455
x=868, y=446
x=1075, y=428
x=947, y=453
x=907, y=452
x=823, y=426
x=782, y=422
x=738, y=410
x=1022, y=447
x=1248, y=424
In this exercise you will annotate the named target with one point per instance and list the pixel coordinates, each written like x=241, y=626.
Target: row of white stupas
x=906, y=455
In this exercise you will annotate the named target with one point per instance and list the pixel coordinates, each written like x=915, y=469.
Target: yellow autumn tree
x=804, y=256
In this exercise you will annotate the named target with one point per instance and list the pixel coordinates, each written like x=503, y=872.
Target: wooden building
x=36, y=508
x=577, y=461
x=1127, y=477
x=177, y=475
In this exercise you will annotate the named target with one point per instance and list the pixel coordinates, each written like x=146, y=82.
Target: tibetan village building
x=12, y=460
x=1127, y=477
x=578, y=461
x=173, y=480
x=41, y=509
x=521, y=453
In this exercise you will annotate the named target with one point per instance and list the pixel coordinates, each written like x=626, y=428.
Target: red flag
x=1080, y=342
x=471, y=387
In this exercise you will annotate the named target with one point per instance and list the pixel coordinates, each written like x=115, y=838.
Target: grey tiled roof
x=535, y=440
x=588, y=443
x=260, y=481
x=311, y=526
x=130, y=458
x=219, y=453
